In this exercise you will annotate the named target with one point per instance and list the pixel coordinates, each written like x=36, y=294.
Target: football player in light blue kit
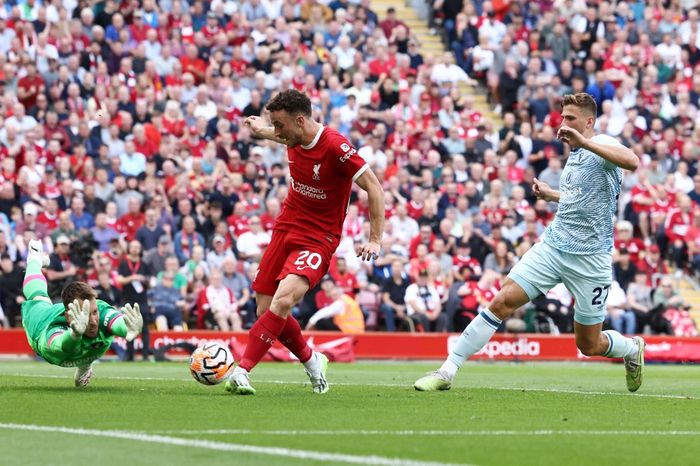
x=576, y=249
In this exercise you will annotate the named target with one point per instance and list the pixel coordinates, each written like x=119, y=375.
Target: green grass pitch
x=495, y=414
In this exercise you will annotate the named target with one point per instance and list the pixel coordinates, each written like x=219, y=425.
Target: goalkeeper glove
x=133, y=321
x=78, y=315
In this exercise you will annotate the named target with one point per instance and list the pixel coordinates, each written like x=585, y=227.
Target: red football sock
x=260, y=337
x=291, y=338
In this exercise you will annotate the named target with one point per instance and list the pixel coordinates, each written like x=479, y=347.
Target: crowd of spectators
x=122, y=148
x=640, y=61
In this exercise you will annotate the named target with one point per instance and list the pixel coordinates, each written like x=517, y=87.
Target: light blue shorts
x=587, y=277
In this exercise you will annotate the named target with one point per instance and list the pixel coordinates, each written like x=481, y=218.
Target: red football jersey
x=640, y=191
x=692, y=237
x=662, y=206
x=321, y=176
x=322, y=300
x=238, y=225
x=677, y=224
x=267, y=221
x=130, y=223
x=633, y=245
x=51, y=221
x=461, y=261
x=415, y=209
x=347, y=281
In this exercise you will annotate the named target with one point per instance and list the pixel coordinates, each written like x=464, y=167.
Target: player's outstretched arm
x=78, y=316
x=375, y=193
x=63, y=343
x=616, y=154
x=128, y=323
x=260, y=129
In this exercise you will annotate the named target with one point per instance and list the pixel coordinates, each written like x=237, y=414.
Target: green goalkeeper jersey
x=44, y=322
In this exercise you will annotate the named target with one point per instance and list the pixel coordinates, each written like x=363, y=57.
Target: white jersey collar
x=315, y=140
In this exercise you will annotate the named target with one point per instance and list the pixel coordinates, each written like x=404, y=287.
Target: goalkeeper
x=77, y=331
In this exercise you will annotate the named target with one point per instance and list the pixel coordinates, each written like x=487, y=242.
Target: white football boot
x=316, y=369
x=83, y=376
x=239, y=382
x=36, y=249
x=634, y=366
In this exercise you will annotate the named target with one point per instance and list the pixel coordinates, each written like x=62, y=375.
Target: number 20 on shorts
x=308, y=259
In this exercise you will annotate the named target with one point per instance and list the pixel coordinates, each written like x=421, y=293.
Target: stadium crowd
x=122, y=147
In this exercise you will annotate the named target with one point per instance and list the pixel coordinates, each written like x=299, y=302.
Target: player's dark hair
x=291, y=101
x=77, y=290
x=581, y=100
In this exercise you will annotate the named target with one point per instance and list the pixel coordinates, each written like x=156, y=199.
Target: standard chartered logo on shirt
x=306, y=190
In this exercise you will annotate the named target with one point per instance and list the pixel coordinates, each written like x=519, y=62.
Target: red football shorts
x=293, y=253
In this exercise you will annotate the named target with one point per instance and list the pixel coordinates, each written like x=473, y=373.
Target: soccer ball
x=211, y=363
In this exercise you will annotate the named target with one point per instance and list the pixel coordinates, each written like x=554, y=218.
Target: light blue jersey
x=589, y=189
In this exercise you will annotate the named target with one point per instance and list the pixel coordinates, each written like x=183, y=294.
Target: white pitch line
x=584, y=392
x=222, y=446
x=457, y=433
x=112, y=377
x=395, y=385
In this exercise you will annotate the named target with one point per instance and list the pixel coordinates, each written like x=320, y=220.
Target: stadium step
x=380, y=6
x=432, y=45
x=402, y=11
x=417, y=24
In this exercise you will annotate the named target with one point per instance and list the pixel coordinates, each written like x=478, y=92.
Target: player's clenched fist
x=255, y=124
x=368, y=251
x=542, y=190
x=570, y=136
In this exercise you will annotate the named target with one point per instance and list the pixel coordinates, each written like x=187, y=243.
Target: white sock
x=620, y=346
x=475, y=336
x=312, y=364
x=449, y=368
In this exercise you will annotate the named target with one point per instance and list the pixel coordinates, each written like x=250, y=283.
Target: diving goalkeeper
x=77, y=331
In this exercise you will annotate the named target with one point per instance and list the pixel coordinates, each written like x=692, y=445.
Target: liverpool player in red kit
x=322, y=166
